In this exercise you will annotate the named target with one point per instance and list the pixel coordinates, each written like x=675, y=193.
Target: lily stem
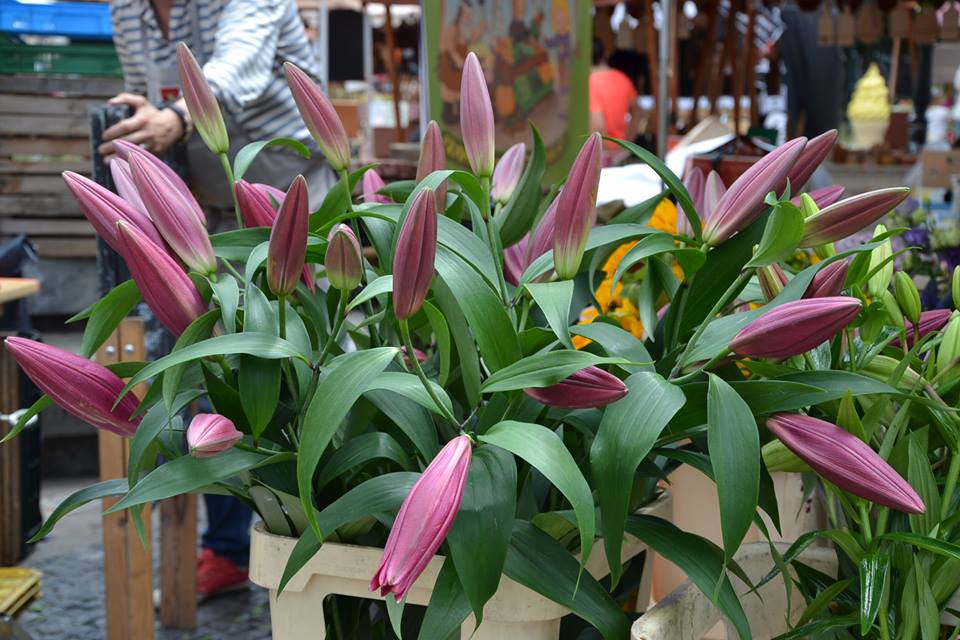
x=411, y=356
x=335, y=332
x=225, y=162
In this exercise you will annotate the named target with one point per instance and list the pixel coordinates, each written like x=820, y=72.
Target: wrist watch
x=184, y=120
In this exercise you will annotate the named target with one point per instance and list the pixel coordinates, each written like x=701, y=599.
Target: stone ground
x=72, y=605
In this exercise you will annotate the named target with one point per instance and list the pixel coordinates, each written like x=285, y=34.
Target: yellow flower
x=664, y=217
x=610, y=266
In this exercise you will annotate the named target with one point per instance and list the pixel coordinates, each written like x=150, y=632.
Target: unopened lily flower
x=288, y=240
x=344, y=260
x=772, y=280
x=211, y=433
x=795, y=327
x=929, y=322
x=845, y=460
x=542, y=236
x=880, y=259
x=695, y=183
x=371, y=184
x=589, y=388
x=186, y=199
x=745, y=200
x=506, y=175
x=103, y=208
x=425, y=517
x=846, y=217
x=813, y=155
x=515, y=260
x=713, y=191
x=818, y=199
x=433, y=157
x=829, y=281
x=476, y=117
x=123, y=181
x=419, y=354
x=908, y=297
x=416, y=251
x=949, y=349
x=201, y=103
x=577, y=209
x=320, y=117
x=85, y=389
x=169, y=291
x=168, y=209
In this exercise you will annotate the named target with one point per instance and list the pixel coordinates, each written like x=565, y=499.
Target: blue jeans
x=228, y=528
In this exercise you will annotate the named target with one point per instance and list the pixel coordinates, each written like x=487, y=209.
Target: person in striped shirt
x=241, y=45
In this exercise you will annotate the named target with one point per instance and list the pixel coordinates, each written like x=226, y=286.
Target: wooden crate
x=44, y=131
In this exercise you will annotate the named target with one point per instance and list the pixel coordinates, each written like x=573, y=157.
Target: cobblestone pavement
x=72, y=606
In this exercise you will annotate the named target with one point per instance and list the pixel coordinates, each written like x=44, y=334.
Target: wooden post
x=178, y=562
x=707, y=56
x=751, y=71
x=650, y=36
x=10, y=511
x=390, y=46
x=127, y=564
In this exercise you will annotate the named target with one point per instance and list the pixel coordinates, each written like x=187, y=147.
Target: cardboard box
x=938, y=166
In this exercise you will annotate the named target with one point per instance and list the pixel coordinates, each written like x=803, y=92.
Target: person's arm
x=154, y=129
x=241, y=67
x=598, y=122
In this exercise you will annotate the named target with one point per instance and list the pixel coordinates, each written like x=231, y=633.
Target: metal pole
x=663, y=81
x=323, y=44
x=369, y=79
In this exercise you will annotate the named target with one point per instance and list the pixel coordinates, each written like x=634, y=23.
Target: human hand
x=153, y=129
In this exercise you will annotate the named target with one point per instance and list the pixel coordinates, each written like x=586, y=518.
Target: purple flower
x=795, y=327
x=577, y=209
x=588, y=388
x=414, y=256
x=211, y=433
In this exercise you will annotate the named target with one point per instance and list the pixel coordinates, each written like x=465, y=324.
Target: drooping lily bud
x=907, y=296
x=929, y=322
x=344, y=261
x=185, y=199
x=811, y=203
x=104, y=209
x=288, y=240
x=211, y=433
x=814, y=153
x=776, y=457
x=414, y=256
x=476, y=117
x=171, y=294
x=320, y=117
x=846, y=217
x=845, y=460
x=425, y=517
x=203, y=107
x=829, y=281
x=506, y=175
x=371, y=185
x=123, y=181
x=577, y=209
x=433, y=157
x=83, y=388
x=745, y=200
x=169, y=210
x=588, y=388
x=880, y=259
x=795, y=327
x=255, y=208
x=772, y=280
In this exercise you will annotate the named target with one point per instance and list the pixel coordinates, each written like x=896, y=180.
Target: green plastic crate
x=71, y=59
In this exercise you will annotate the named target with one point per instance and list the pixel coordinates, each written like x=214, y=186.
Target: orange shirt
x=612, y=93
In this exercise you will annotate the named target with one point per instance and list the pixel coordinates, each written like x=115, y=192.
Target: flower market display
x=468, y=366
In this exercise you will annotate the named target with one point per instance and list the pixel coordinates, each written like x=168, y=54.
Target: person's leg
x=228, y=528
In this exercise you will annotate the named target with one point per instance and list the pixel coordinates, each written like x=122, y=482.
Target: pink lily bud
x=506, y=175
x=577, y=209
x=371, y=185
x=417, y=353
x=169, y=291
x=930, y=321
x=203, y=107
x=433, y=157
x=255, y=207
x=103, y=208
x=695, y=184
x=191, y=207
x=772, y=280
x=123, y=181
x=589, y=388
x=514, y=260
x=713, y=190
x=344, y=261
x=320, y=117
x=83, y=388
x=822, y=197
x=845, y=460
x=476, y=117
x=542, y=239
x=273, y=194
x=795, y=327
x=425, y=517
x=414, y=256
x=168, y=210
x=211, y=433
x=829, y=281
x=850, y=215
x=745, y=200
x=814, y=153
x=288, y=240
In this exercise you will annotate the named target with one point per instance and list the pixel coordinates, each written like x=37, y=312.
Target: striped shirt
x=243, y=44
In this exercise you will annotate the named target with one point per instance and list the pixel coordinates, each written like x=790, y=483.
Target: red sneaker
x=216, y=575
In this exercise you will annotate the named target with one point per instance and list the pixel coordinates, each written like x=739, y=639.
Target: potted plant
x=426, y=409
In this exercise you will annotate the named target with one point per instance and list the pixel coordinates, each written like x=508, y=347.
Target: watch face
x=168, y=94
